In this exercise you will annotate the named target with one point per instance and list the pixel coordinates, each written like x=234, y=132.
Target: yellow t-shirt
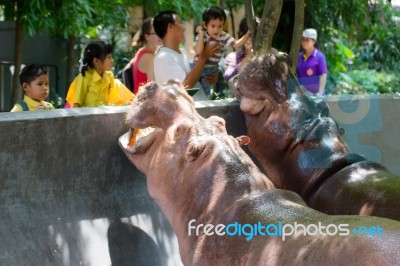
x=33, y=105
x=91, y=89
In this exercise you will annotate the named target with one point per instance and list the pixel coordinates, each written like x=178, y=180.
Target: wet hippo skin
x=195, y=170
x=298, y=145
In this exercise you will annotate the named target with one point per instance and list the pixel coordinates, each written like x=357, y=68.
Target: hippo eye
x=181, y=130
x=194, y=151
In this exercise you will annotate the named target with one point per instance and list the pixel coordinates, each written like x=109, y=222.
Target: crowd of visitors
x=161, y=58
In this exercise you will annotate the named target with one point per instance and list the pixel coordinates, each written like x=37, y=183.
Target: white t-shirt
x=168, y=64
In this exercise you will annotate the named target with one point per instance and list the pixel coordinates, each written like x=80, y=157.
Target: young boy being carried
x=213, y=21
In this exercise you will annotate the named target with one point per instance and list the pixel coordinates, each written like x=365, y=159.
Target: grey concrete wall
x=69, y=196
x=371, y=125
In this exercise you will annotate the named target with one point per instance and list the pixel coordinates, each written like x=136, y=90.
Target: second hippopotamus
x=299, y=146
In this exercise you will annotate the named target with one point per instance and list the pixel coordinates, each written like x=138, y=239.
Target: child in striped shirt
x=213, y=21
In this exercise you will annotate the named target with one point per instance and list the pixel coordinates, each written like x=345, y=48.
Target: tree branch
x=250, y=19
x=267, y=28
x=297, y=31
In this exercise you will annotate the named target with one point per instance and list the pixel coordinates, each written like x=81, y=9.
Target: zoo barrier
x=69, y=196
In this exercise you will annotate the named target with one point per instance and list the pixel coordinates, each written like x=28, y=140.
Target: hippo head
x=165, y=114
x=183, y=152
x=293, y=136
x=267, y=84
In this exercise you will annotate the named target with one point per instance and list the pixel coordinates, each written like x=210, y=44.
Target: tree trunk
x=297, y=31
x=144, y=9
x=70, y=60
x=250, y=19
x=269, y=22
x=232, y=22
x=16, y=93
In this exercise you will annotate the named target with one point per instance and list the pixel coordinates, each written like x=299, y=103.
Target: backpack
x=127, y=77
x=24, y=106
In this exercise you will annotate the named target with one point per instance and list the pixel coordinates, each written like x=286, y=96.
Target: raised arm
x=199, y=46
x=239, y=43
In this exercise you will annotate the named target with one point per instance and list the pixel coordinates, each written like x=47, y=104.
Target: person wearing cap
x=311, y=66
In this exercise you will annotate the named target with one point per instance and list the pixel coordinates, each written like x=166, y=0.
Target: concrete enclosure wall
x=69, y=196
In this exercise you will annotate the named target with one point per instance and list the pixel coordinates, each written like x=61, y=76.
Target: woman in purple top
x=311, y=66
x=235, y=60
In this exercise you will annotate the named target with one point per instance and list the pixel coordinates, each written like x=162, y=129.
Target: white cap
x=310, y=33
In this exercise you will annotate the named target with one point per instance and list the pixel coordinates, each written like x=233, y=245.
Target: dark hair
x=161, y=22
x=30, y=72
x=243, y=28
x=145, y=29
x=214, y=12
x=95, y=49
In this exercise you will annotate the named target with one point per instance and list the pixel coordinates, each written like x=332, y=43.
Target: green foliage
x=65, y=18
x=337, y=50
x=366, y=81
x=186, y=9
x=56, y=100
x=360, y=42
x=349, y=15
x=71, y=17
x=32, y=14
x=233, y=4
x=381, y=49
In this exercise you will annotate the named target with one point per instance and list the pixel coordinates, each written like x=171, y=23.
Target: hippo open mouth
x=137, y=140
x=153, y=111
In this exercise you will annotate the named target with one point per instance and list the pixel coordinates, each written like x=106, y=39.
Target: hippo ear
x=272, y=59
x=194, y=151
x=243, y=140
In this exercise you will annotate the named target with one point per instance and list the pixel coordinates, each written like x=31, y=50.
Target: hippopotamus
x=300, y=147
x=205, y=183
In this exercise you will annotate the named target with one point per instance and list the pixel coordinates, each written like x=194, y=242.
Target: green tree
x=70, y=19
x=28, y=16
x=356, y=37
x=74, y=19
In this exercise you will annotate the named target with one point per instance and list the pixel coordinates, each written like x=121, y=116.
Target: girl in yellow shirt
x=96, y=85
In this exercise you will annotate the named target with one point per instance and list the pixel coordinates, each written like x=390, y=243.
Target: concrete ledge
x=69, y=196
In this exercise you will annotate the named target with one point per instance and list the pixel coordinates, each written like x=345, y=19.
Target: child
x=95, y=85
x=213, y=21
x=35, y=82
